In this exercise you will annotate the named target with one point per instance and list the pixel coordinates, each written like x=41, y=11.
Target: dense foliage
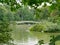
x=5, y=35
x=24, y=13
x=45, y=26
x=21, y=13
x=12, y=3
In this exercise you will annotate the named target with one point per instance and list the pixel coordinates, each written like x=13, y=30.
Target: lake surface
x=22, y=35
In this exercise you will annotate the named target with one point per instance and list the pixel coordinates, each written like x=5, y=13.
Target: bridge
x=27, y=22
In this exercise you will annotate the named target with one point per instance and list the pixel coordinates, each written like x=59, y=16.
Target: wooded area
x=47, y=12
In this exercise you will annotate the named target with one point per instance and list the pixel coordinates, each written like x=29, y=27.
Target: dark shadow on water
x=57, y=38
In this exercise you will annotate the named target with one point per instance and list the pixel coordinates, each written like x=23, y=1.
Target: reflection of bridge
x=27, y=22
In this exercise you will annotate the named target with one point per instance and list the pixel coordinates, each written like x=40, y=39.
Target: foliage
x=55, y=3
x=12, y=3
x=5, y=35
x=6, y=13
x=24, y=13
x=50, y=13
x=45, y=26
x=45, y=11
x=36, y=2
x=42, y=13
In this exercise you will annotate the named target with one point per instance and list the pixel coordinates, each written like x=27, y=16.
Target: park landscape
x=29, y=22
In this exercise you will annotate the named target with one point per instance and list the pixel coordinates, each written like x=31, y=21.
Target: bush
x=45, y=26
x=5, y=35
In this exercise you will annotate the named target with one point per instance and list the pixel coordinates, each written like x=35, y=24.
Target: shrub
x=45, y=26
x=5, y=35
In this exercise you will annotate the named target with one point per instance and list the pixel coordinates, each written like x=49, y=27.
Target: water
x=22, y=35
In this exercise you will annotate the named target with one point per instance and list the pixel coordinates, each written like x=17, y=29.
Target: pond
x=22, y=36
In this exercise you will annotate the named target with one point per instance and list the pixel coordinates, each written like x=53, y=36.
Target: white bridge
x=26, y=22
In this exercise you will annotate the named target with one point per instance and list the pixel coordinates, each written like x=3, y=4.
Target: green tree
x=12, y=3
x=5, y=35
x=24, y=13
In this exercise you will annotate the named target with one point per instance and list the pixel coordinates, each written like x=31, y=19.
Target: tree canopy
x=33, y=3
x=12, y=3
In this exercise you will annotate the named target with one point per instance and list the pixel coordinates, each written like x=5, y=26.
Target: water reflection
x=22, y=36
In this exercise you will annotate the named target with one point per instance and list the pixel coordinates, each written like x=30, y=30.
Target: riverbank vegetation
x=46, y=26
x=47, y=12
